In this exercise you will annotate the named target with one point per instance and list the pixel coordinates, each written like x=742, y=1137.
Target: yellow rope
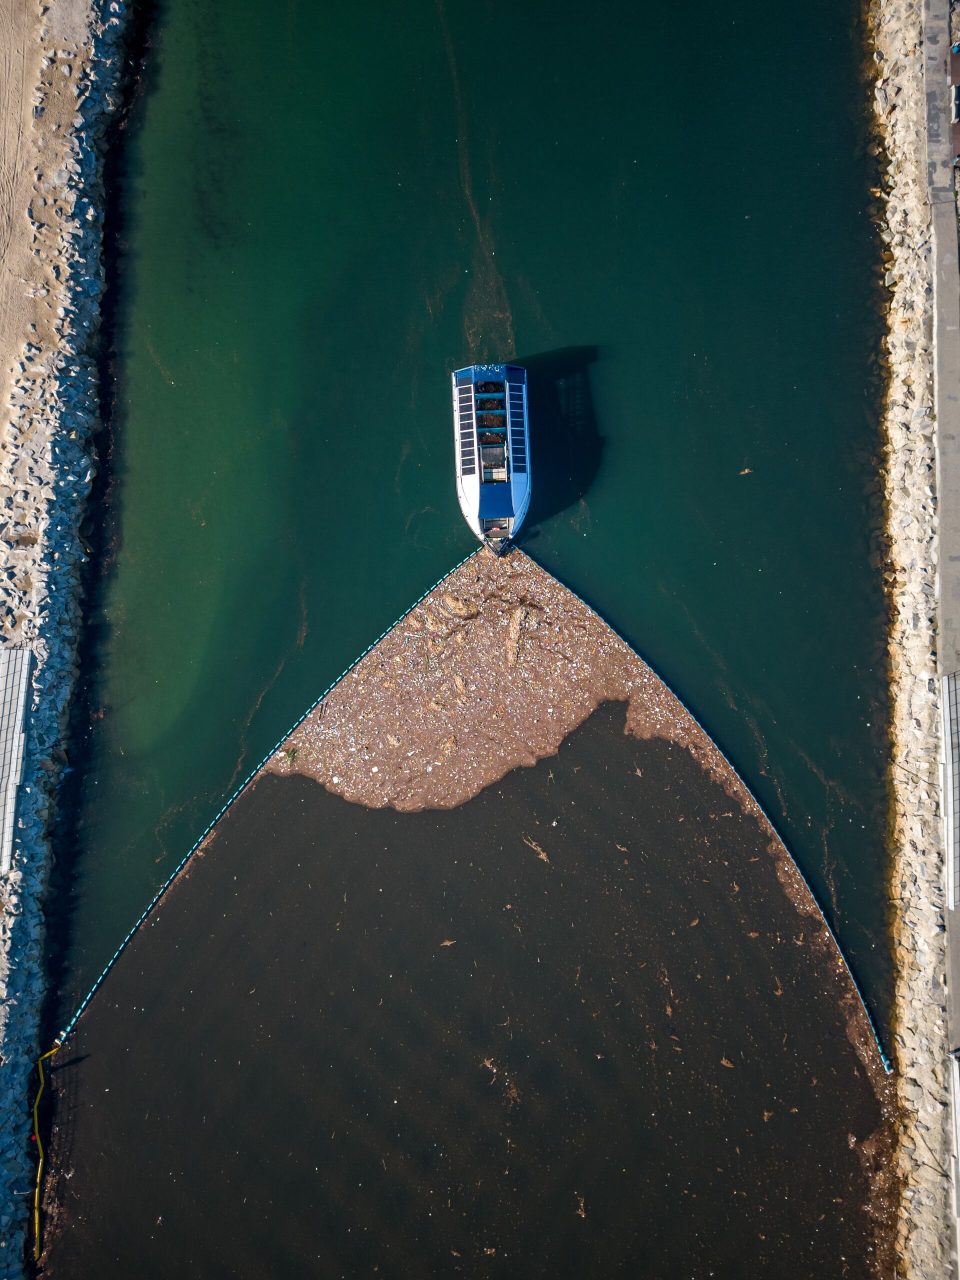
x=36, y=1137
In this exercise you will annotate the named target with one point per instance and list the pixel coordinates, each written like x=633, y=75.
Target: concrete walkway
x=14, y=685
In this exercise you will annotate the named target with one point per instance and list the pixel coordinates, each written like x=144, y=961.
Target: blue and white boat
x=492, y=450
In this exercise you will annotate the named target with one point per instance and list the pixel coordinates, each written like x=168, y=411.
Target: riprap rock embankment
x=64, y=61
x=910, y=460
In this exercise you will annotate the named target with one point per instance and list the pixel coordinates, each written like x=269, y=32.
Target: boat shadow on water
x=566, y=447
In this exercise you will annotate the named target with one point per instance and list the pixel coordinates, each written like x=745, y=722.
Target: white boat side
x=492, y=449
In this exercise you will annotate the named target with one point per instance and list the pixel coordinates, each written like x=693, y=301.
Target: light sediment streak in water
x=487, y=317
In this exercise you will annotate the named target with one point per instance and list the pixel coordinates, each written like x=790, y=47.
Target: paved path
x=938, y=66
x=946, y=324
x=14, y=685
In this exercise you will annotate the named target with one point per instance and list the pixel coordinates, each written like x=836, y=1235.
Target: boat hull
x=492, y=450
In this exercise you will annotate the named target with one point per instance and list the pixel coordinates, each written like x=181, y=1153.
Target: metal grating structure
x=950, y=709
x=468, y=436
x=14, y=686
x=518, y=439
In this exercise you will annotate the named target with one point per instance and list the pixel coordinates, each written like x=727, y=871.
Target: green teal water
x=324, y=212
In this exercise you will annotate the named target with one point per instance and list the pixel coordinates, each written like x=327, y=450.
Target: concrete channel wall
x=950, y=710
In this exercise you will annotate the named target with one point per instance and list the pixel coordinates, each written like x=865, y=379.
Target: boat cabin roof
x=496, y=501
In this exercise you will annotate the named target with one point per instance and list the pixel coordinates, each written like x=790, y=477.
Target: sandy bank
x=60, y=65
x=917, y=875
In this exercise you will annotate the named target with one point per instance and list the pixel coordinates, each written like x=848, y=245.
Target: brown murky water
x=528, y=1036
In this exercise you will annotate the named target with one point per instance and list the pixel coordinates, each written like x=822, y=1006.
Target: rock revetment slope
x=917, y=884
x=61, y=64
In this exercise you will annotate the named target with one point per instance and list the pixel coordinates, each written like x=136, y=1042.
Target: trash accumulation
x=492, y=670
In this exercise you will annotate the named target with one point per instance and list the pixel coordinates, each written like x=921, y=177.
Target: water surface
x=573, y=1028
x=323, y=213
